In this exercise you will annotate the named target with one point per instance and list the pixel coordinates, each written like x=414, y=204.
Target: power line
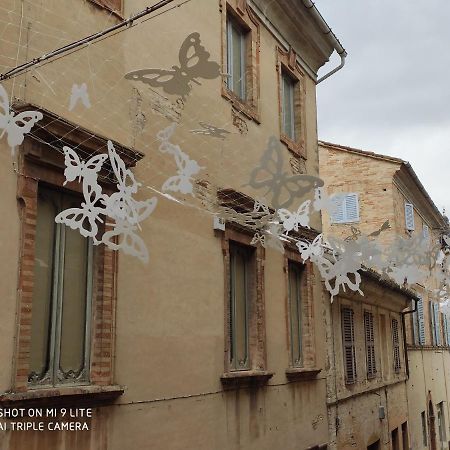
x=66, y=48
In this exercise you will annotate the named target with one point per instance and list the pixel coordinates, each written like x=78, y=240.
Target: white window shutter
x=437, y=324
x=421, y=322
x=352, y=208
x=409, y=216
x=346, y=208
x=426, y=231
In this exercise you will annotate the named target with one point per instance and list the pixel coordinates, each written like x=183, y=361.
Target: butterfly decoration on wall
x=294, y=220
x=211, y=130
x=79, y=94
x=186, y=168
x=194, y=63
x=15, y=125
x=120, y=213
x=270, y=176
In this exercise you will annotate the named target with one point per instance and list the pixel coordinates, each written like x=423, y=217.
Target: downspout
x=405, y=350
x=330, y=36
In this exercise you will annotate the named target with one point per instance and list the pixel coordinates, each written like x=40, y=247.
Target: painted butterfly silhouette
x=269, y=175
x=15, y=125
x=211, y=130
x=76, y=168
x=194, y=64
x=292, y=220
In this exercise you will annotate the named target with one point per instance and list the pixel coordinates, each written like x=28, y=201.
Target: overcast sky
x=393, y=95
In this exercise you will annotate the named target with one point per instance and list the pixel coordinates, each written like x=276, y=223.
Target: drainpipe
x=330, y=36
x=403, y=314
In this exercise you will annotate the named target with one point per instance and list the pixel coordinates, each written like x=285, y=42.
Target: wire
x=93, y=37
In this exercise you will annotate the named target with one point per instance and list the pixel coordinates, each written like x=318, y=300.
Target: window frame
x=256, y=319
x=239, y=12
x=287, y=66
x=40, y=163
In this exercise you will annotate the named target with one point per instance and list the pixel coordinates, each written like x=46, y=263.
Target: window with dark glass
x=288, y=87
x=240, y=298
x=295, y=311
x=60, y=328
x=348, y=341
x=236, y=58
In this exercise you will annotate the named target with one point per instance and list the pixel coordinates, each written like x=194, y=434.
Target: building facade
x=216, y=343
x=390, y=190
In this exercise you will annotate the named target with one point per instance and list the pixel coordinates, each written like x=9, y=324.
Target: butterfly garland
x=269, y=175
x=194, y=63
x=120, y=212
x=15, y=125
x=300, y=218
x=186, y=167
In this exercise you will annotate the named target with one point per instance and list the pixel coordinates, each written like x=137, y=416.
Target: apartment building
x=217, y=342
x=390, y=190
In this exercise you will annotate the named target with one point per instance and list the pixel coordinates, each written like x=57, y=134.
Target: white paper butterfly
x=76, y=168
x=182, y=182
x=123, y=237
x=84, y=219
x=79, y=93
x=260, y=206
x=310, y=250
x=15, y=126
x=292, y=221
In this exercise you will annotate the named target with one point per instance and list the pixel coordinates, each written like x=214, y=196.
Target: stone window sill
x=116, y=13
x=298, y=149
x=63, y=395
x=302, y=373
x=246, y=378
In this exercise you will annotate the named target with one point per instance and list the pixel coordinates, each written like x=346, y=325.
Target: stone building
x=390, y=190
x=207, y=346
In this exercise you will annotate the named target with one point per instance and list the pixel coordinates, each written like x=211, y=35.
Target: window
x=291, y=102
x=395, y=439
x=240, y=292
x=288, y=87
x=295, y=312
x=370, y=344
x=405, y=437
x=245, y=354
x=240, y=61
x=409, y=217
x=424, y=429
x=426, y=231
x=346, y=208
x=348, y=341
x=419, y=323
x=62, y=295
x=435, y=323
x=236, y=58
x=441, y=421
x=396, y=345
x=64, y=336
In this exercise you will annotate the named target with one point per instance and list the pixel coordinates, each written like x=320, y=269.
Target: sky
x=393, y=94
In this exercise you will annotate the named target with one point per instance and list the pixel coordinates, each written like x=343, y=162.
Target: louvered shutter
x=433, y=323
x=351, y=208
x=437, y=323
x=346, y=208
x=370, y=344
x=421, y=321
x=415, y=322
x=396, y=345
x=338, y=208
x=445, y=321
x=409, y=216
x=348, y=339
x=425, y=231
